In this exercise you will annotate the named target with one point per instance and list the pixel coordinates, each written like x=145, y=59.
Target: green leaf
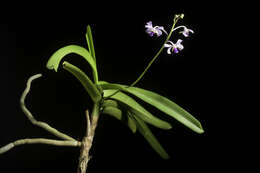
x=161, y=103
x=54, y=61
x=84, y=80
x=144, y=114
x=90, y=43
x=113, y=111
x=89, y=39
x=109, y=102
x=119, y=115
x=151, y=139
x=131, y=122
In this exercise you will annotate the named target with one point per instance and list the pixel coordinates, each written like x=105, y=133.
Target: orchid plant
x=113, y=99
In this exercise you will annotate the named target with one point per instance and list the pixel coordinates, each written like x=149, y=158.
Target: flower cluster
x=158, y=31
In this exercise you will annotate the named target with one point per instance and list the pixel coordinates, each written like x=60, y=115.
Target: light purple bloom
x=154, y=30
x=186, y=31
x=174, y=47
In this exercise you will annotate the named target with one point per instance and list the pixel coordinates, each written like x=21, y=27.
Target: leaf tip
x=166, y=157
x=64, y=64
x=166, y=126
x=169, y=127
x=51, y=66
x=201, y=131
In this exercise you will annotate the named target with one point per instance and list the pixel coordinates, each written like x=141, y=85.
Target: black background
x=200, y=79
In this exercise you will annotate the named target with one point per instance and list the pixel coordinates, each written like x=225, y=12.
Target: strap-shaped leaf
x=161, y=103
x=151, y=139
x=111, y=107
x=84, y=80
x=143, y=113
x=90, y=43
x=131, y=122
x=118, y=114
x=113, y=111
x=54, y=61
x=109, y=102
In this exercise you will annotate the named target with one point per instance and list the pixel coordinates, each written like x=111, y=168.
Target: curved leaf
x=118, y=114
x=54, y=61
x=161, y=103
x=84, y=80
x=151, y=139
x=113, y=111
x=144, y=114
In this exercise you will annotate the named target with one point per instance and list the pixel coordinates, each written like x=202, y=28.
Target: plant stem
x=86, y=143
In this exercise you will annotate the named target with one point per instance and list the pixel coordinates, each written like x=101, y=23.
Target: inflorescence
x=159, y=30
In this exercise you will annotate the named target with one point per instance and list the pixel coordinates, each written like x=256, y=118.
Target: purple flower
x=174, y=47
x=154, y=30
x=186, y=31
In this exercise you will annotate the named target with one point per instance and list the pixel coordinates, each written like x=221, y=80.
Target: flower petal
x=159, y=32
x=172, y=44
x=180, y=47
x=149, y=24
x=148, y=30
x=167, y=45
x=179, y=41
x=169, y=50
x=185, y=34
x=159, y=27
